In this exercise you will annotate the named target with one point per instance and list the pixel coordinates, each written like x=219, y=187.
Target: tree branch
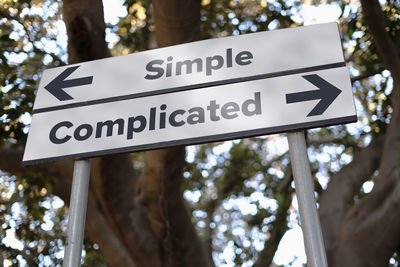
x=279, y=226
x=11, y=162
x=96, y=225
x=375, y=19
x=111, y=245
x=226, y=190
x=28, y=257
x=359, y=242
x=327, y=140
x=366, y=75
x=9, y=202
x=334, y=202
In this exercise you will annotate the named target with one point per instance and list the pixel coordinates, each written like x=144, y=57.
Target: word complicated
x=157, y=69
x=156, y=119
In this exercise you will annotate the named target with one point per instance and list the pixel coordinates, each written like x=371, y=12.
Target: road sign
x=192, y=65
x=199, y=92
x=242, y=109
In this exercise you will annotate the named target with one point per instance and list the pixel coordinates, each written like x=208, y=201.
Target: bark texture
x=266, y=256
x=351, y=230
x=176, y=21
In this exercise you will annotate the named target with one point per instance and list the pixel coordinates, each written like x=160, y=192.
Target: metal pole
x=77, y=213
x=315, y=249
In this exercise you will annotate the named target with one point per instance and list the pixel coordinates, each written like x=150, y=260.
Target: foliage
x=28, y=39
x=135, y=31
x=32, y=222
x=226, y=18
x=235, y=195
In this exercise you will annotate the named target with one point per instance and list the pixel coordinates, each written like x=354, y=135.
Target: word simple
x=212, y=63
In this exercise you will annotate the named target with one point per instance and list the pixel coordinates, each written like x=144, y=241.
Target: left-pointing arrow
x=56, y=86
x=327, y=93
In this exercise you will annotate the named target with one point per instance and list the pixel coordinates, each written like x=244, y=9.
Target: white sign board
x=199, y=92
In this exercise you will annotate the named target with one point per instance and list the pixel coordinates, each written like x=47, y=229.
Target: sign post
x=314, y=243
x=77, y=213
x=206, y=91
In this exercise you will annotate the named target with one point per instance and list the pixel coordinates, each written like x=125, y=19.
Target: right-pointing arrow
x=326, y=92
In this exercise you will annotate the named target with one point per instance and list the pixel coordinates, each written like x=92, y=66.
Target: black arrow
x=56, y=86
x=326, y=92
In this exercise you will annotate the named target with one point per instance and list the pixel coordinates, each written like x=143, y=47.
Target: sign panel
x=199, y=92
x=243, y=109
x=192, y=65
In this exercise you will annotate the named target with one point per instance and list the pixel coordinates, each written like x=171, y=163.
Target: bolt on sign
x=211, y=90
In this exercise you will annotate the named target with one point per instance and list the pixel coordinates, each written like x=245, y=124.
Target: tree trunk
x=144, y=216
x=367, y=233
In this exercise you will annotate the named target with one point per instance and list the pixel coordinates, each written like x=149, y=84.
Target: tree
x=162, y=208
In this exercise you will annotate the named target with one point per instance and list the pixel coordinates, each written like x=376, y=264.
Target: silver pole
x=315, y=249
x=77, y=213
